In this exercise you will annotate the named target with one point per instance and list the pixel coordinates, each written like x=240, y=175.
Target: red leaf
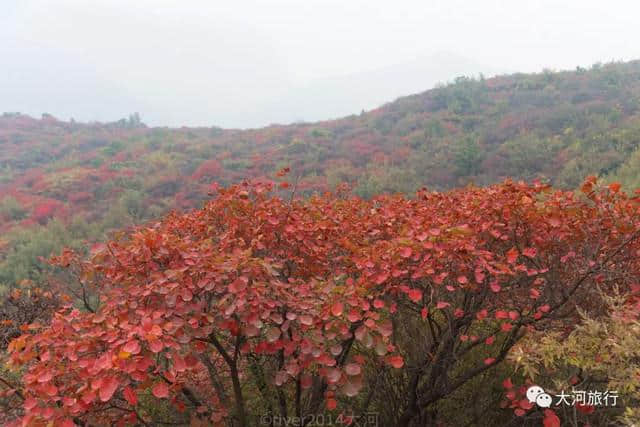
x=550, y=419
x=501, y=314
x=354, y=315
x=45, y=377
x=352, y=369
x=381, y=278
x=614, y=187
x=130, y=395
x=424, y=313
x=415, y=295
x=132, y=347
x=51, y=390
x=109, y=386
x=88, y=396
x=442, y=304
x=186, y=295
x=306, y=381
x=396, y=361
x=237, y=285
x=512, y=255
x=507, y=384
x=406, y=252
x=30, y=403
x=332, y=404
x=156, y=346
x=160, y=390
x=525, y=404
x=178, y=363
x=489, y=360
x=306, y=320
x=585, y=409
x=336, y=309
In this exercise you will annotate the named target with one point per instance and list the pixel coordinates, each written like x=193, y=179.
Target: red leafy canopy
x=312, y=289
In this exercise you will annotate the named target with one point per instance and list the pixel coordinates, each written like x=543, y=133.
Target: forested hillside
x=62, y=183
x=427, y=263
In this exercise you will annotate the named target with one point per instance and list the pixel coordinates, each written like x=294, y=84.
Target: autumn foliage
x=260, y=304
x=63, y=182
x=43, y=211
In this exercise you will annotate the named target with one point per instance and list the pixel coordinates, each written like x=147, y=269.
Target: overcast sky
x=242, y=63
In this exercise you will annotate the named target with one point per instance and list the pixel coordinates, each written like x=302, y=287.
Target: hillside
x=62, y=183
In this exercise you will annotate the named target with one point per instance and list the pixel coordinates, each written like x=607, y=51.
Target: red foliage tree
x=79, y=197
x=258, y=305
x=209, y=168
x=43, y=211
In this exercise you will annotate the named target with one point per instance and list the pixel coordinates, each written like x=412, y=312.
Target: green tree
x=12, y=209
x=467, y=157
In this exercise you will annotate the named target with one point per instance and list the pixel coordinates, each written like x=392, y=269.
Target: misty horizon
x=296, y=94
x=249, y=65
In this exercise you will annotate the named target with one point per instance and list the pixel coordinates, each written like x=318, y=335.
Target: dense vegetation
x=261, y=308
x=364, y=283
x=90, y=178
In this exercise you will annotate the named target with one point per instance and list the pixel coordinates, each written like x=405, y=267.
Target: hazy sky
x=242, y=63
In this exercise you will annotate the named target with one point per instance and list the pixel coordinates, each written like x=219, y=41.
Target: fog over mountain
x=339, y=96
x=249, y=63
